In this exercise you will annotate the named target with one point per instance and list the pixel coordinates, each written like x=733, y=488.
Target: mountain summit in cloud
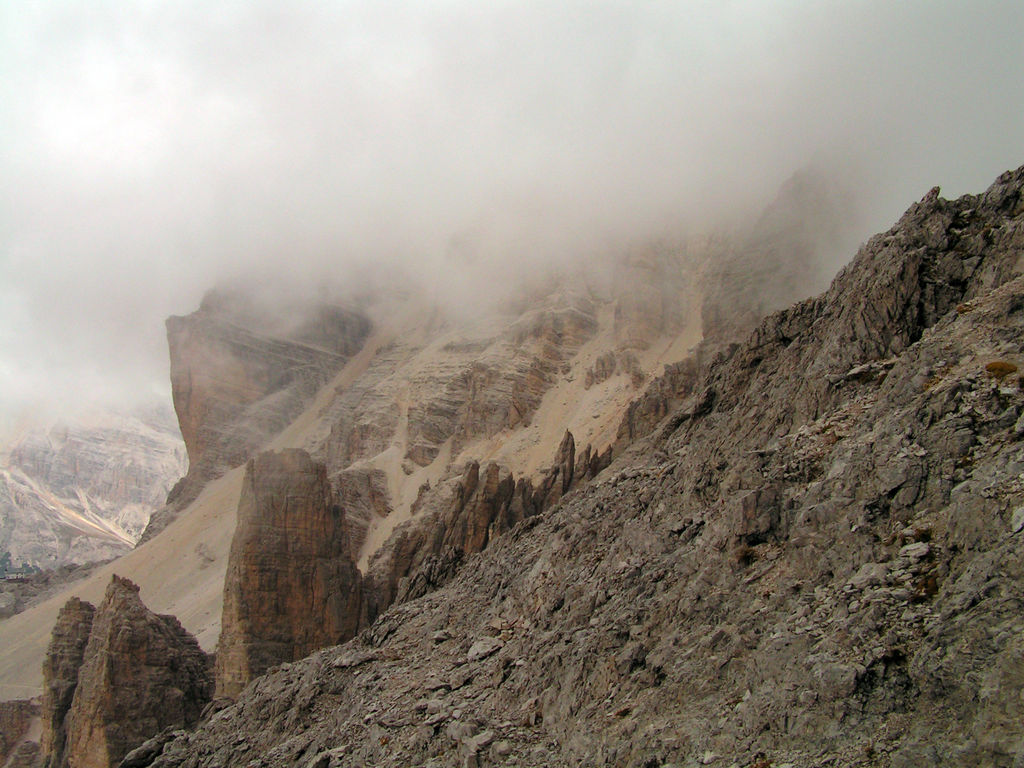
x=154, y=150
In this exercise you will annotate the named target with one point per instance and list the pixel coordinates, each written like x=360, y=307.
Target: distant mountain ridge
x=82, y=491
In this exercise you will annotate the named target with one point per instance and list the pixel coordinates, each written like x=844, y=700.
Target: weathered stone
x=291, y=585
x=463, y=517
x=363, y=496
x=25, y=755
x=241, y=370
x=80, y=492
x=643, y=640
x=500, y=389
x=483, y=648
x=1017, y=520
x=15, y=717
x=137, y=674
x=60, y=677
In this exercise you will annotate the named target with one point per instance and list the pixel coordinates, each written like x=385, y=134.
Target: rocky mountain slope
x=815, y=560
x=442, y=440
x=82, y=492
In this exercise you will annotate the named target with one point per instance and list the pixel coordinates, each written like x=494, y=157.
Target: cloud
x=152, y=149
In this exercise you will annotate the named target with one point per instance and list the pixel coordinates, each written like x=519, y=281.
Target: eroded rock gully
x=816, y=560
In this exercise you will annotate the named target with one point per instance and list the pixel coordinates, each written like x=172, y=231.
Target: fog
x=150, y=150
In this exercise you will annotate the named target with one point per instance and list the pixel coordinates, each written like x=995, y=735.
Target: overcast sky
x=150, y=149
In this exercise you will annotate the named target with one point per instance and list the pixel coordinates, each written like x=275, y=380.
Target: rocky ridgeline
x=815, y=560
x=116, y=675
x=462, y=517
x=292, y=586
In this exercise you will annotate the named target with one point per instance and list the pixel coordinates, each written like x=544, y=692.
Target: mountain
x=568, y=531
x=83, y=491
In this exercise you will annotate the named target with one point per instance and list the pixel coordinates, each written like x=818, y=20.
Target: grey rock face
x=813, y=561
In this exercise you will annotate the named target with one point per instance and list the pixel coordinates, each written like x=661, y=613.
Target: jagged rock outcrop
x=115, y=676
x=817, y=560
x=663, y=395
x=449, y=524
x=463, y=517
x=60, y=677
x=241, y=370
x=291, y=585
x=140, y=673
x=15, y=717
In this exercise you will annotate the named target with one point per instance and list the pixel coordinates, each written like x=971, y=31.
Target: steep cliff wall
x=60, y=677
x=291, y=585
x=241, y=370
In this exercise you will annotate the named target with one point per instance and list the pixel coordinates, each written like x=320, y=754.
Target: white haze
x=151, y=149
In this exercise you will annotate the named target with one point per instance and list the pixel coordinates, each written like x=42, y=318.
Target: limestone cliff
x=115, y=677
x=241, y=370
x=816, y=559
x=83, y=491
x=291, y=585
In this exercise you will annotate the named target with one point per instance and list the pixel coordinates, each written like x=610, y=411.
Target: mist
x=151, y=150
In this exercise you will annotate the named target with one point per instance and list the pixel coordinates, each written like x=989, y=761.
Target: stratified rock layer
x=83, y=492
x=816, y=560
x=240, y=371
x=138, y=674
x=291, y=585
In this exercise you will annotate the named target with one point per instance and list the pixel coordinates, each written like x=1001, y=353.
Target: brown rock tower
x=291, y=586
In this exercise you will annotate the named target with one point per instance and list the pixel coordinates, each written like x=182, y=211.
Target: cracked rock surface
x=816, y=560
